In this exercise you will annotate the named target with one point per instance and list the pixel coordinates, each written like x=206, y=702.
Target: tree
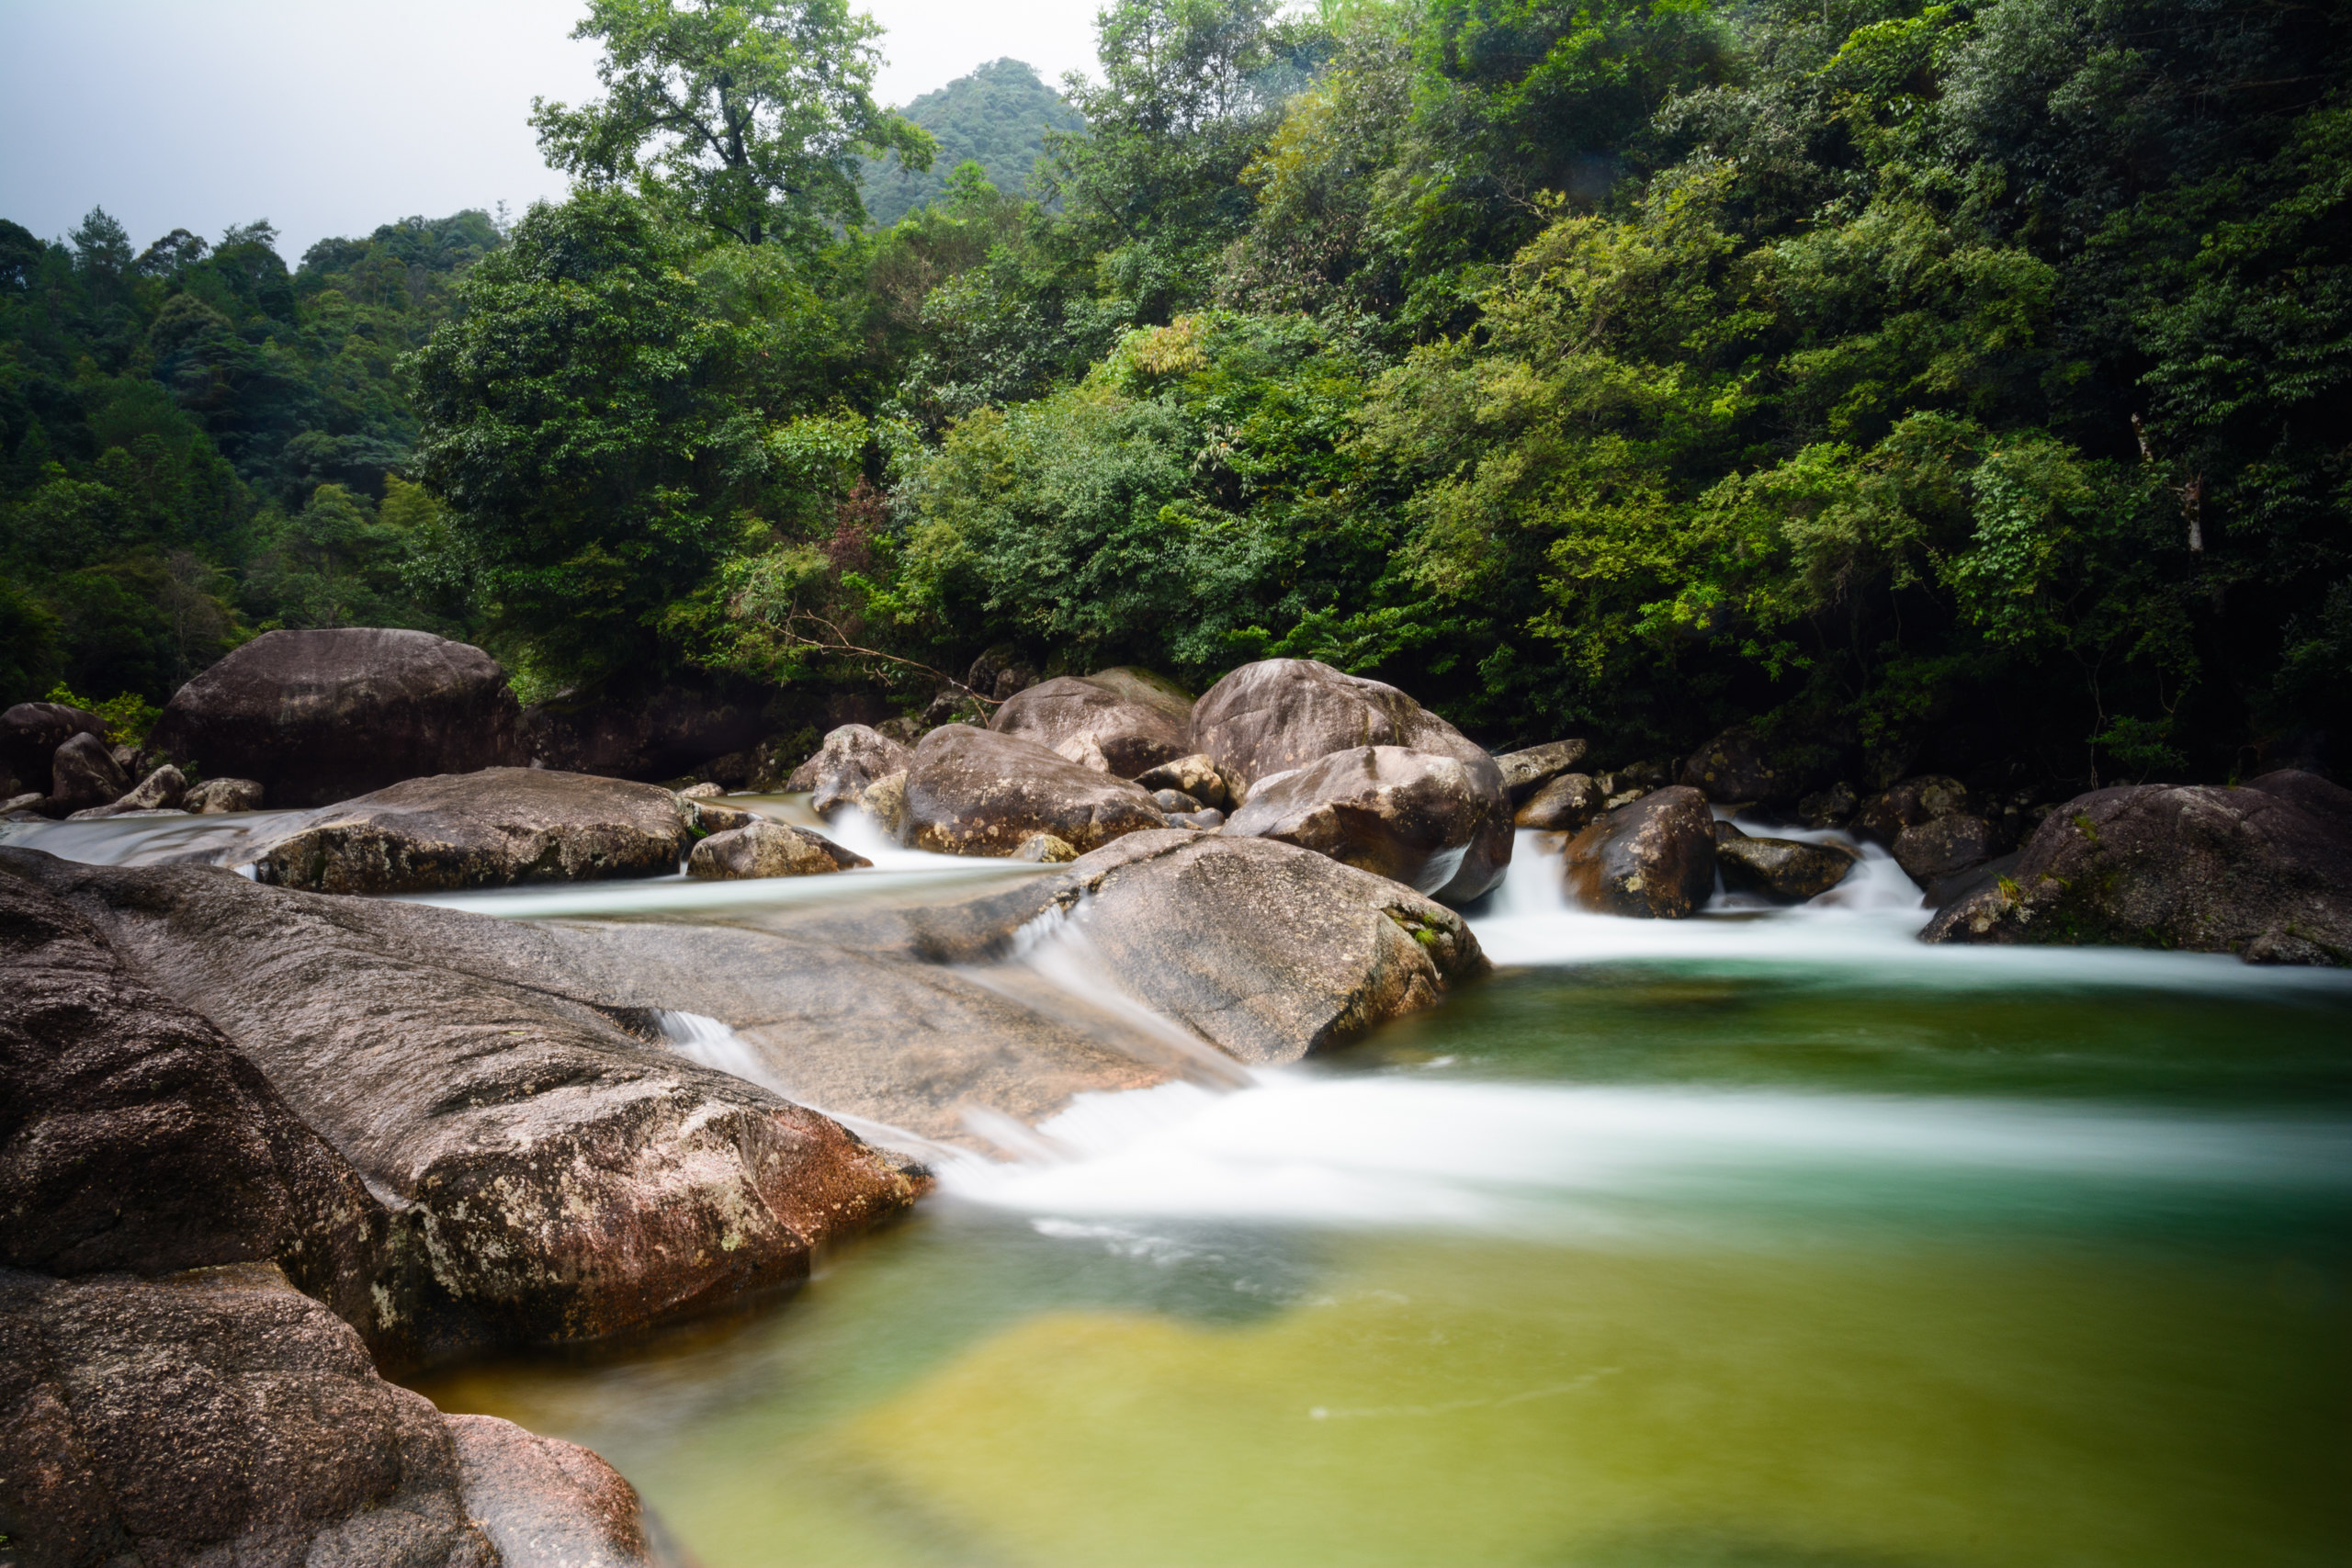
x=752, y=115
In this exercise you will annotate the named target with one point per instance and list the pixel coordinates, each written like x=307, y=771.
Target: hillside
x=997, y=117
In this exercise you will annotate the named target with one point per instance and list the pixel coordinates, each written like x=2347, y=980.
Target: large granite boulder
x=483, y=830
x=552, y=1171
x=1280, y=714
x=1653, y=858
x=1787, y=870
x=324, y=714
x=164, y=789
x=1196, y=776
x=1736, y=766
x=135, y=1139
x=762, y=847
x=2263, y=871
x=851, y=757
x=215, y=1417
x=1942, y=847
x=980, y=792
x=84, y=773
x=1418, y=817
x=31, y=734
x=1132, y=719
x=216, y=797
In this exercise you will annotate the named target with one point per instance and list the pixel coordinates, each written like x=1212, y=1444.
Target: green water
x=1668, y=1261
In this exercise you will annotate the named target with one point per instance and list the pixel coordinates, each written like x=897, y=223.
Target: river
x=1765, y=1239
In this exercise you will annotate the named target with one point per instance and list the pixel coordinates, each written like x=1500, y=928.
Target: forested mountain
x=1952, y=387
x=199, y=443
x=998, y=118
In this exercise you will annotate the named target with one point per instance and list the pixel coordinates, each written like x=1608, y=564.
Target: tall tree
x=752, y=114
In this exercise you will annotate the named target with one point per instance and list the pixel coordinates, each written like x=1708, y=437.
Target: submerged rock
x=1132, y=719
x=977, y=792
x=2263, y=871
x=1427, y=821
x=551, y=1174
x=1786, y=869
x=851, y=758
x=324, y=714
x=1653, y=858
x=1563, y=806
x=484, y=829
x=768, y=849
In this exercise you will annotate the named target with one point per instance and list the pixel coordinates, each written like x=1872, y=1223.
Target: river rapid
x=1767, y=1238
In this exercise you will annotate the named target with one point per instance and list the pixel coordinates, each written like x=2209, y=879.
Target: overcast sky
x=330, y=116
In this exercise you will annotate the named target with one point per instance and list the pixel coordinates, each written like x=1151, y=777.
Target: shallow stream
x=1763, y=1239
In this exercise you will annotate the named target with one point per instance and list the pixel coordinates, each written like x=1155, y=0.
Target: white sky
x=330, y=116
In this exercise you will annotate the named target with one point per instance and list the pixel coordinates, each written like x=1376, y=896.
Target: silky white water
x=1771, y=1239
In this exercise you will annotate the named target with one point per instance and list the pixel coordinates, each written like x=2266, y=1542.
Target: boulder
x=552, y=1172
x=1174, y=801
x=324, y=714
x=641, y=729
x=1831, y=807
x=1735, y=766
x=545, y=1503
x=214, y=796
x=2263, y=871
x=1086, y=752
x=1195, y=775
x=1907, y=804
x=31, y=734
x=215, y=1417
x=1427, y=820
x=1654, y=858
x=1788, y=870
x=1563, y=806
x=885, y=801
x=1945, y=846
x=982, y=791
x=135, y=1139
x=1526, y=772
x=1136, y=719
x=83, y=773
x=483, y=830
x=851, y=757
x=1000, y=672
x=768, y=849
x=1202, y=820
x=1280, y=714
x=161, y=790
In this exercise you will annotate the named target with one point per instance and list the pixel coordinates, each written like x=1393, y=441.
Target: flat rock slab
x=489, y=828
x=553, y=1174
x=323, y=715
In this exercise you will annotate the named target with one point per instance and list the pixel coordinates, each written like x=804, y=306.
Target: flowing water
x=1763, y=1239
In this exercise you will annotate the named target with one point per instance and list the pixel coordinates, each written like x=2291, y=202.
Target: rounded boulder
x=1430, y=822
x=324, y=715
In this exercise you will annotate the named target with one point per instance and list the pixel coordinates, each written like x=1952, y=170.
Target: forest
x=1959, y=388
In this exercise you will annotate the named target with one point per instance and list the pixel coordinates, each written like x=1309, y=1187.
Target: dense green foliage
x=1943, y=387
x=998, y=118
x=196, y=444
